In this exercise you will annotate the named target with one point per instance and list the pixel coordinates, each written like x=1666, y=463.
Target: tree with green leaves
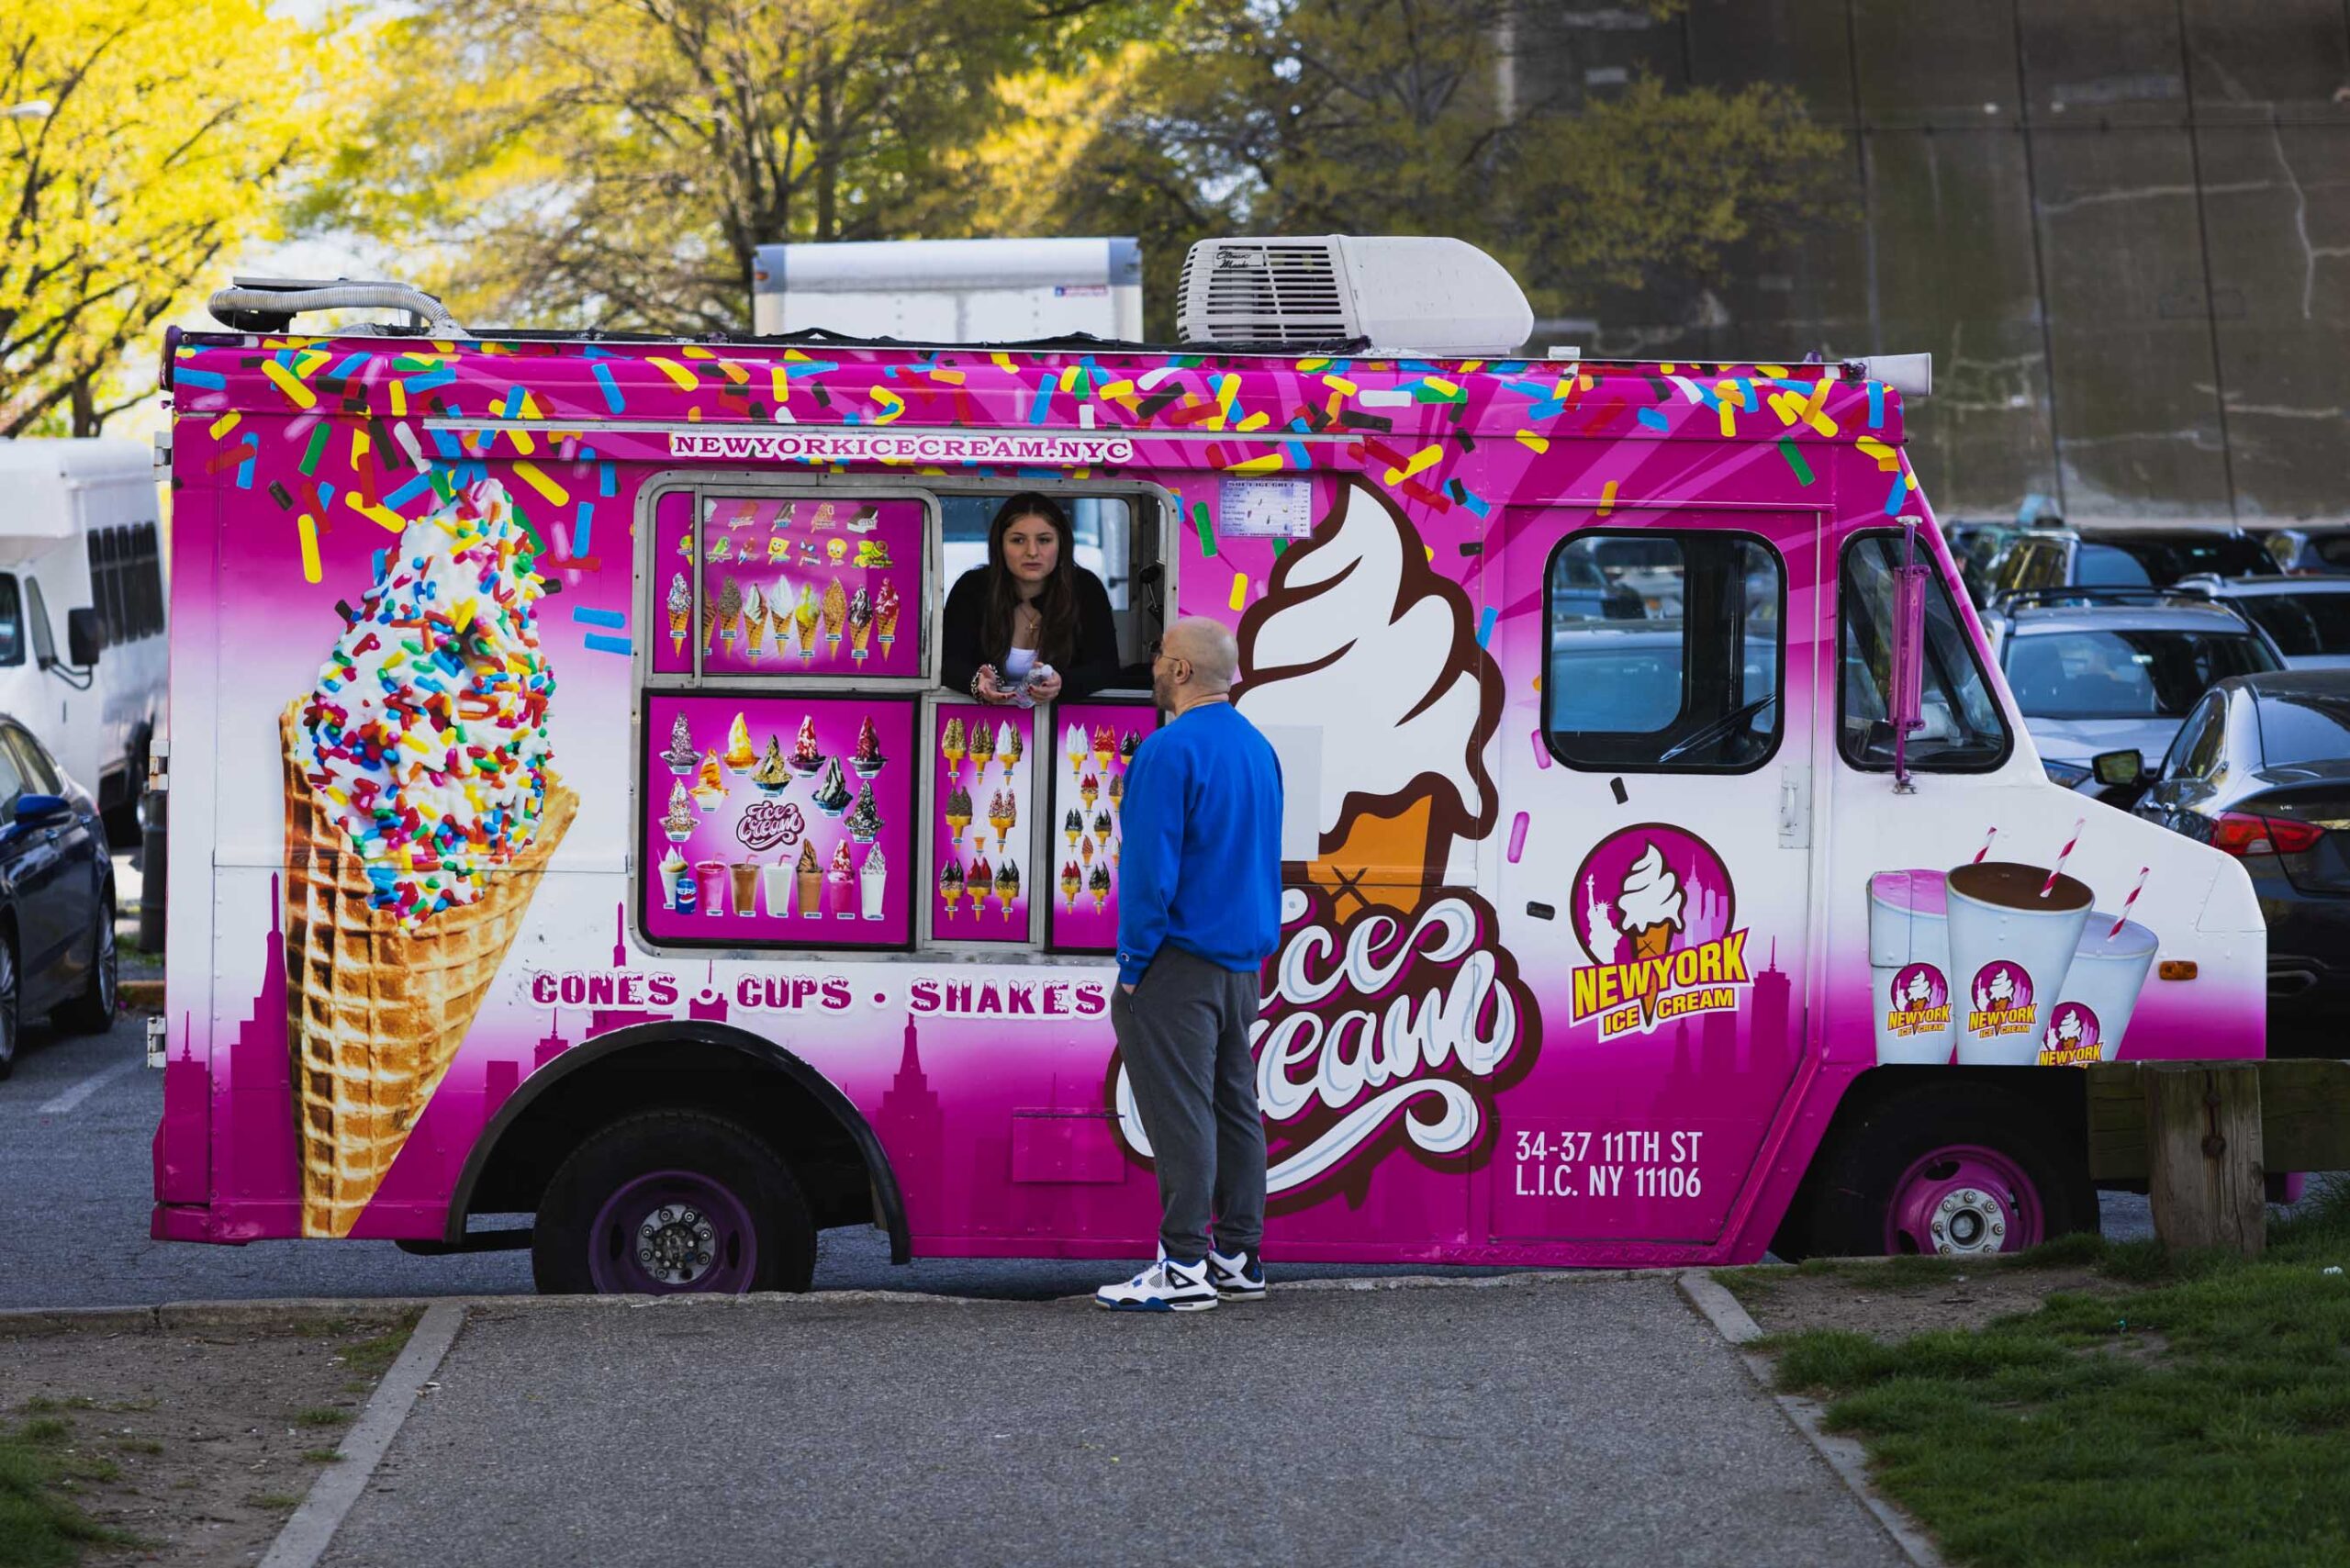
x=149, y=143
x=1407, y=116
x=617, y=163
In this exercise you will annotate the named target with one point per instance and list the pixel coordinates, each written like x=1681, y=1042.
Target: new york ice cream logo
x=1920, y=1003
x=1393, y=1017
x=2073, y=1038
x=2001, y=999
x=1655, y=907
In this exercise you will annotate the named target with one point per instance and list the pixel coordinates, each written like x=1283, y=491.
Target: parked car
x=2311, y=552
x=2116, y=674
x=2307, y=617
x=57, y=900
x=2125, y=559
x=2261, y=769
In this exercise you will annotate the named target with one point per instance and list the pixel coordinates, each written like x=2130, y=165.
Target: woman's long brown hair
x=1056, y=601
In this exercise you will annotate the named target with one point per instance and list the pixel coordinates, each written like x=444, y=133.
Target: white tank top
x=1017, y=663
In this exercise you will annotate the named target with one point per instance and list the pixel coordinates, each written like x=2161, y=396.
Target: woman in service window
x=1032, y=624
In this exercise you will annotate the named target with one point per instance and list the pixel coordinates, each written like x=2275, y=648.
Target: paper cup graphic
x=1909, y=964
x=711, y=876
x=2009, y=950
x=2100, y=993
x=776, y=883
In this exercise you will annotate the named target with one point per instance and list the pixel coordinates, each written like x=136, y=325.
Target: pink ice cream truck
x=575, y=846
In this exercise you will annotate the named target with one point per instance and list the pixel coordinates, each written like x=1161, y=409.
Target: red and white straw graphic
x=2123, y=918
x=2057, y=871
x=1987, y=845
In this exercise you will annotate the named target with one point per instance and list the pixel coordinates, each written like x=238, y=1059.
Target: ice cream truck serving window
x=593, y=853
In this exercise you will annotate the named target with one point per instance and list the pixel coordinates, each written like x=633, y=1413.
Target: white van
x=82, y=616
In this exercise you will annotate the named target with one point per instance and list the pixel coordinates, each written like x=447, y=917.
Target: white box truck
x=82, y=607
x=951, y=291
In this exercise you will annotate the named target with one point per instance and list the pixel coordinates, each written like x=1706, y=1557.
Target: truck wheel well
x=833, y=1154
x=2062, y=1096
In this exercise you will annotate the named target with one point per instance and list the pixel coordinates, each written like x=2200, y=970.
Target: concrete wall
x=2122, y=226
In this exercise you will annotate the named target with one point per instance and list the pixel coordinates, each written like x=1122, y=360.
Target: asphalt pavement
x=1567, y=1420
x=78, y=1118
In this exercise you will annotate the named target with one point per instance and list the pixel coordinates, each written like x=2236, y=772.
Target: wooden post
x=2204, y=1171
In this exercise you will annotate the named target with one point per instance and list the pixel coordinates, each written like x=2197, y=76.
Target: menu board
x=1095, y=743
x=824, y=588
x=983, y=806
x=783, y=821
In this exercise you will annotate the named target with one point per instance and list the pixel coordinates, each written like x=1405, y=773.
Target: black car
x=2124, y=558
x=2261, y=769
x=56, y=898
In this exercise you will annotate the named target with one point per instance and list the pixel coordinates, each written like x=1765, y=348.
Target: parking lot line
x=87, y=1087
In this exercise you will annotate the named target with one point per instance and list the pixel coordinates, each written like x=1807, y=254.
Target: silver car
x=2307, y=617
x=2113, y=675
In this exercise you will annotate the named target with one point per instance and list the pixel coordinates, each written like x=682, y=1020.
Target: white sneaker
x=1165, y=1286
x=1240, y=1277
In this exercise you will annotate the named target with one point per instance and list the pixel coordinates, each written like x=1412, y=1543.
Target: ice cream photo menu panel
x=1096, y=741
x=983, y=823
x=826, y=588
x=777, y=822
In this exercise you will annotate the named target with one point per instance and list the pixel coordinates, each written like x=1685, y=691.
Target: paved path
x=1571, y=1420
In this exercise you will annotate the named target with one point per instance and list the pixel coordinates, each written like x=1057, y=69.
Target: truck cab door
x=1657, y=771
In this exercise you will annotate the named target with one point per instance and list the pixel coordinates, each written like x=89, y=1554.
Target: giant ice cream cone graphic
x=394, y=933
x=1359, y=639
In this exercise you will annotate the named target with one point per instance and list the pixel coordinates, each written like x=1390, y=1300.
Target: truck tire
x=92, y=1012
x=669, y=1203
x=1954, y=1169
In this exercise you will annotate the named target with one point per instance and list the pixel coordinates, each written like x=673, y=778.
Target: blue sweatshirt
x=1201, y=865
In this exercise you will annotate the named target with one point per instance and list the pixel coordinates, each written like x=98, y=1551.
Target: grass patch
x=39, y=1529
x=276, y=1502
x=375, y=1357
x=324, y=1415
x=322, y=1456
x=2219, y=1435
x=138, y=1445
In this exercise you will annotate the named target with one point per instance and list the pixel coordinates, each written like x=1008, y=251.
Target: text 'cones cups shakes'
x=1358, y=640
x=406, y=886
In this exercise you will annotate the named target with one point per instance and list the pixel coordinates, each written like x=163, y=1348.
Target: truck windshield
x=1964, y=730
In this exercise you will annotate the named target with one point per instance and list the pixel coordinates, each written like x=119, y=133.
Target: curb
x=308, y=1534
x=1844, y=1456
x=170, y=1317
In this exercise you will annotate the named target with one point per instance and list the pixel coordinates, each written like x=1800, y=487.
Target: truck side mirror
x=2118, y=769
x=85, y=636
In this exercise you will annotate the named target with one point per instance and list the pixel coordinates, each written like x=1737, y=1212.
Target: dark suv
x=2041, y=559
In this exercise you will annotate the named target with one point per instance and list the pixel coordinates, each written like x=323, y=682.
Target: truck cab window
x=1964, y=730
x=37, y=621
x=1665, y=650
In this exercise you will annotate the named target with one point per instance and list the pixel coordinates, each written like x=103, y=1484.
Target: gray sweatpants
x=1184, y=1036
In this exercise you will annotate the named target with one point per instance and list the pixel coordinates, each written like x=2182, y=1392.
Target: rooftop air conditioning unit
x=1442, y=297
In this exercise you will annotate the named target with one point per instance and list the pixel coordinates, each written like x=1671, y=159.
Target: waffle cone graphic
x=1651, y=941
x=1382, y=860
x=376, y=1013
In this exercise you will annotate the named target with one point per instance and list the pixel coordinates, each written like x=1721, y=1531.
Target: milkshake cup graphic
x=775, y=881
x=2100, y=993
x=672, y=864
x=711, y=876
x=745, y=874
x=2009, y=950
x=1909, y=966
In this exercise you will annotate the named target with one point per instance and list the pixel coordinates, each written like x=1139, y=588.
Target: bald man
x=1198, y=913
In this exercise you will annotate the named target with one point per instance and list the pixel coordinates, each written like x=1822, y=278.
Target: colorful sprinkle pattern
x=428, y=728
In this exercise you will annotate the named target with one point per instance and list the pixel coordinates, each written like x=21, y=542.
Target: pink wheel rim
x=1962, y=1200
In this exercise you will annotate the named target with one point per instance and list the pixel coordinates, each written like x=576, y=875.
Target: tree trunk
x=86, y=407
